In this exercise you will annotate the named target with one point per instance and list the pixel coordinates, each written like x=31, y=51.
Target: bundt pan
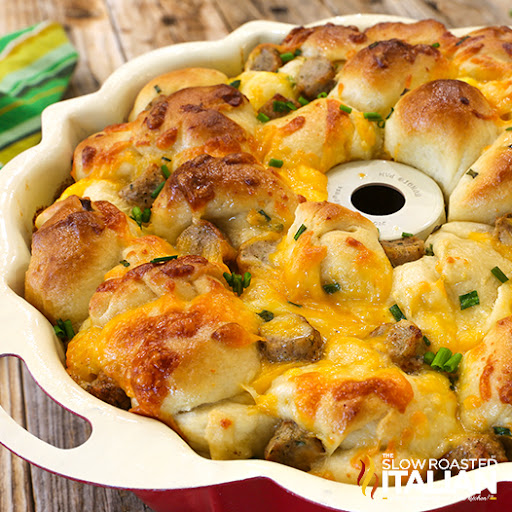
x=129, y=451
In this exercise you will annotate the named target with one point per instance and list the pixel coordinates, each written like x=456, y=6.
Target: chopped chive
x=291, y=105
x=427, y=341
x=137, y=215
x=502, y=431
x=372, y=116
x=294, y=304
x=262, y=117
x=237, y=282
x=442, y=357
x=146, y=215
x=429, y=251
x=331, y=288
x=266, y=315
x=287, y=57
x=428, y=357
x=322, y=95
x=406, y=235
x=508, y=129
x=397, y=313
x=267, y=217
x=125, y=263
x=297, y=52
x=472, y=173
x=299, y=232
x=166, y=159
x=390, y=112
x=405, y=91
x=163, y=259
x=498, y=274
x=280, y=106
x=275, y=162
x=453, y=363
x=157, y=89
x=469, y=299
x=346, y=109
x=157, y=190
x=436, y=45
x=235, y=83
x=373, y=45
x=462, y=40
x=303, y=101
x=64, y=329
x=165, y=171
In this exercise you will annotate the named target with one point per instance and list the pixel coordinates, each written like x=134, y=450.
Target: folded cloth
x=36, y=65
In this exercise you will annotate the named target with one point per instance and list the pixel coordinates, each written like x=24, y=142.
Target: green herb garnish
x=502, y=431
x=322, y=95
x=125, y=263
x=294, y=304
x=165, y=171
x=163, y=259
x=157, y=190
x=428, y=357
x=469, y=299
x=436, y=45
x=274, y=162
x=452, y=364
x=462, y=40
x=157, y=89
x=472, y=173
x=397, y=313
x=263, y=117
x=287, y=57
x=373, y=116
x=429, y=251
x=331, y=288
x=299, y=232
x=346, y=109
x=266, y=315
x=139, y=216
x=64, y=330
x=441, y=358
x=237, y=282
x=498, y=274
x=235, y=83
x=406, y=235
x=303, y=101
x=265, y=214
x=427, y=341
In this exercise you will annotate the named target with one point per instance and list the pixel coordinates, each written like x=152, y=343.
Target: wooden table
x=106, y=34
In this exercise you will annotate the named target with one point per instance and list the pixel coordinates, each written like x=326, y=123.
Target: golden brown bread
x=171, y=82
x=229, y=192
x=71, y=253
x=441, y=127
x=484, y=193
x=374, y=79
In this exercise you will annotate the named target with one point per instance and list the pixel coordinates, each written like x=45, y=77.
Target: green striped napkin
x=36, y=64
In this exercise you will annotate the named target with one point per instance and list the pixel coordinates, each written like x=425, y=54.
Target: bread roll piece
x=217, y=120
x=184, y=340
x=173, y=81
x=71, y=252
x=374, y=79
x=331, y=246
x=318, y=135
x=230, y=192
x=485, y=383
x=421, y=32
x=485, y=54
x=484, y=193
x=441, y=128
x=429, y=290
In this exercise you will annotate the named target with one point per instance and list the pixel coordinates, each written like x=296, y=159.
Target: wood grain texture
x=106, y=33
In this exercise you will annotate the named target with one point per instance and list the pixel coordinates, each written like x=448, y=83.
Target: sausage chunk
x=273, y=110
x=294, y=446
x=256, y=254
x=108, y=391
x=403, y=250
x=404, y=343
x=290, y=337
x=481, y=446
x=139, y=191
x=316, y=76
x=204, y=239
x=503, y=229
x=265, y=58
